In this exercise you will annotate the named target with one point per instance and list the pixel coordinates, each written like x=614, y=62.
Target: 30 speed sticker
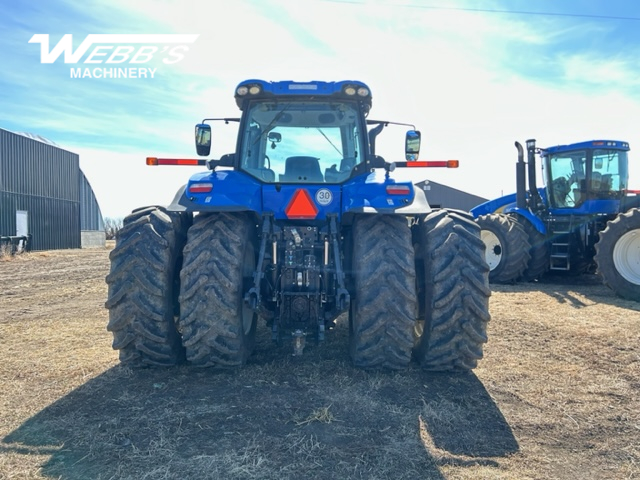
x=324, y=197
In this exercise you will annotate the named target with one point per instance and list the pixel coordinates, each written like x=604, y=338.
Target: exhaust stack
x=521, y=180
x=534, y=196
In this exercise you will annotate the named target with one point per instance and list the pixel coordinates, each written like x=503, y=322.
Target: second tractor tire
x=618, y=255
x=507, y=247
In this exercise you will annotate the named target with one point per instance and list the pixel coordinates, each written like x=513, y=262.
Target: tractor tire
x=383, y=307
x=218, y=327
x=455, y=292
x=507, y=247
x=143, y=283
x=539, y=252
x=618, y=255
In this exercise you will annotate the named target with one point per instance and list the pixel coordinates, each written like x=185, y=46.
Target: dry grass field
x=557, y=395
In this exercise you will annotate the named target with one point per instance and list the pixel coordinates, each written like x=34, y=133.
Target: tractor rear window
x=301, y=142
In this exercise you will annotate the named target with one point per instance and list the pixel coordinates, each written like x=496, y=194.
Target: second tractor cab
x=588, y=176
x=585, y=218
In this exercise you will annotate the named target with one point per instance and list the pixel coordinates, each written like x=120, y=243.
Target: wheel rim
x=626, y=256
x=493, y=251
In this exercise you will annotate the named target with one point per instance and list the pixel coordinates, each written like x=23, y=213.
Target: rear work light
x=153, y=161
x=398, y=190
x=204, y=187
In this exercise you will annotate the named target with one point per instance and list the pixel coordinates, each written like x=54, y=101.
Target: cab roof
x=606, y=144
x=259, y=89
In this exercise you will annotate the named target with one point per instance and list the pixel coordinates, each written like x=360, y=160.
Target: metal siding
x=90, y=214
x=43, y=180
x=54, y=224
x=35, y=168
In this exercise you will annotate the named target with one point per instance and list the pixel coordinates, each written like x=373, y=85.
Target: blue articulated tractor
x=586, y=218
x=301, y=224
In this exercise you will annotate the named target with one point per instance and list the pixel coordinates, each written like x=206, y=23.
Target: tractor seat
x=302, y=169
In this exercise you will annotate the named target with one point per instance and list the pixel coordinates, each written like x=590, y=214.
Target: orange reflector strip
x=417, y=164
x=175, y=161
x=301, y=206
x=432, y=163
x=200, y=187
x=398, y=190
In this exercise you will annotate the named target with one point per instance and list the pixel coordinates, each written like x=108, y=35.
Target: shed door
x=22, y=223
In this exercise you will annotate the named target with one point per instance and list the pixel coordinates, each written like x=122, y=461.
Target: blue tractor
x=586, y=218
x=302, y=223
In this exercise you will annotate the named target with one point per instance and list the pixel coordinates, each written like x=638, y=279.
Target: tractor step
x=560, y=257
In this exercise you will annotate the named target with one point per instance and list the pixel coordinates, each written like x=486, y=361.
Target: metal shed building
x=44, y=193
x=442, y=196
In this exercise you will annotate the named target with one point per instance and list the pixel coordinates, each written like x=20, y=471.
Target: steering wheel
x=268, y=161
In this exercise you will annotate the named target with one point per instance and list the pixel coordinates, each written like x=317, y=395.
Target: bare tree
x=111, y=227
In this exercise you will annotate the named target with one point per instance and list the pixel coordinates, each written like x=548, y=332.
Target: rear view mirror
x=275, y=137
x=203, y=139
x=412, y=145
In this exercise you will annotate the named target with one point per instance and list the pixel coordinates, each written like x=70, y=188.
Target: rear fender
x=232, y=192
x=368, y=194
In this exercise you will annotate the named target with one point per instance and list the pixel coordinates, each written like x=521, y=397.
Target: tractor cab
x=586, y=175
x=283, y=121
x=276, y=139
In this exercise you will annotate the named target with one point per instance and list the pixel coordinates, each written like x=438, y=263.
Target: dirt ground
x=557, y=395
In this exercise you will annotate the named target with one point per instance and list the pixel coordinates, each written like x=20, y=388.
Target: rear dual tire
x=383, y=310
x=218, y=327
x=143, y=284
x=455, y=293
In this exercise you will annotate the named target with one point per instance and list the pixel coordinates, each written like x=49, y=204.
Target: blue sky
x=472, y=81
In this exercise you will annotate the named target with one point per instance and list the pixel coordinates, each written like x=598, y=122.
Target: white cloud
x=607, y=72
x=454, y=74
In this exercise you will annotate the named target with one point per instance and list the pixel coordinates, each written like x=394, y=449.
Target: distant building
x=44, y=193
x=442, y=196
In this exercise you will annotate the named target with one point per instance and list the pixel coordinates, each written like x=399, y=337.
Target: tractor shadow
x=577, y=291
x=316, y=417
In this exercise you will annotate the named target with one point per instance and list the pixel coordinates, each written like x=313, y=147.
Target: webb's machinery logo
x=119, y=51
